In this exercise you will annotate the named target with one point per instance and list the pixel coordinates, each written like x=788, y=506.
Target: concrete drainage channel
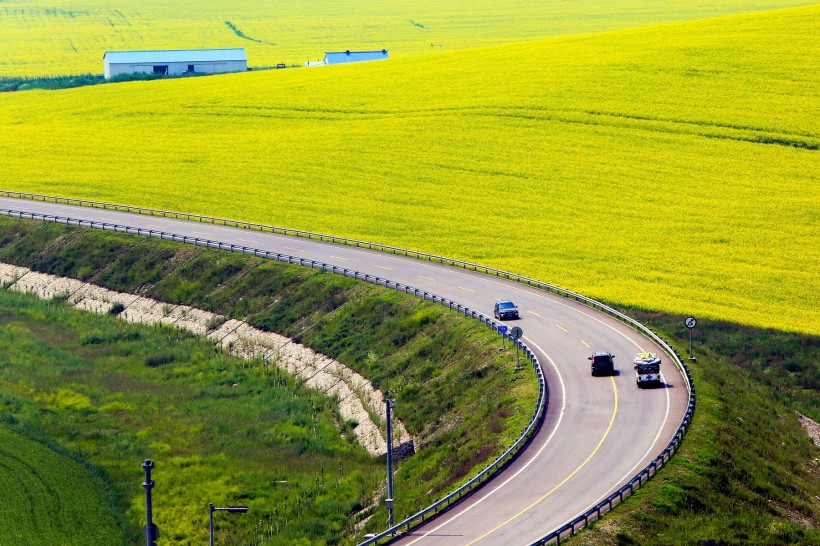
x=553, y=537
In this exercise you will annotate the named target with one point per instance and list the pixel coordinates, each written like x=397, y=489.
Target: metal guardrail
x=482, y=476
x=570, y=527
x=581, y=521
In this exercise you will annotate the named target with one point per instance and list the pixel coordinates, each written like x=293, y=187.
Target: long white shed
x=175, y=62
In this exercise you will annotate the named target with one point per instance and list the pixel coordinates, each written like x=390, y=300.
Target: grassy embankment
x=671, y=168
x=69, y=37
x=50, y=495
x=113, y=394
x=747, y=473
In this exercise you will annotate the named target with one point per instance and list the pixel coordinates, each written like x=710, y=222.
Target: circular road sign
x=690, y=322
x=516, y=332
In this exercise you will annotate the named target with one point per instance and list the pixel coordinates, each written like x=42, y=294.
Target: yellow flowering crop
x=675, y=167
x=58, y=37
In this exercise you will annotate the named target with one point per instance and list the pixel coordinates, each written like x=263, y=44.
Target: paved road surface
x=598, y=431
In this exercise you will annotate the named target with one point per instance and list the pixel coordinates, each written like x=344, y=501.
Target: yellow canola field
x=58, y=37
x=673, y=168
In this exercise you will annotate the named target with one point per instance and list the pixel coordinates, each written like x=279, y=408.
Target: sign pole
x=516, y=334
x=690, y=323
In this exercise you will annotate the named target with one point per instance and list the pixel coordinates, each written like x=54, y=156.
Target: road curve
x=598, y=431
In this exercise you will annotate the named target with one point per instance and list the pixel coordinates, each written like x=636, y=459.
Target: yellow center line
x=249, y=241
x=338, y=258
x=422, y=277
x=294, y=249
x=534, y=313
x=383, y=267
x=586, y=344
x=565, y=480
x=562, y=328
x=467, y=289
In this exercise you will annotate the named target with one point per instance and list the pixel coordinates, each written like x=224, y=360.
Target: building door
x=160, y=69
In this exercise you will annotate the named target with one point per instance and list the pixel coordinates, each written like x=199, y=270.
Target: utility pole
x=389, y=500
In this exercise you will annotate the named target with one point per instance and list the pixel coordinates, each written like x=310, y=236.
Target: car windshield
x=506, y=305
x=601, y=359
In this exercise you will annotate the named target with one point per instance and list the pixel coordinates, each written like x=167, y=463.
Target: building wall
x=175, y=69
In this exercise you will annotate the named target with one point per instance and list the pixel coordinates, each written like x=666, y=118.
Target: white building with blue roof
x=175, y=62
x=342, y=57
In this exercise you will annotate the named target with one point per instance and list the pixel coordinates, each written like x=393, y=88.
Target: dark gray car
x=505, y=309
x=603, y=364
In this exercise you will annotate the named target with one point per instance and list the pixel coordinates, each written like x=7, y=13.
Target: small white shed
x=343, y=57
x=175, y=62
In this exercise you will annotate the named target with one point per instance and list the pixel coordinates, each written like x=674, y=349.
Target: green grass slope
x=48, y=496
x=69, y=36
x=671, y=168
x=113, y=394
x=117, y=393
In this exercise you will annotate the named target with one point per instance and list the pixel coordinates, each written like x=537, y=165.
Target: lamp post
x=212, y=509
x=389, y=500
x=150, y=531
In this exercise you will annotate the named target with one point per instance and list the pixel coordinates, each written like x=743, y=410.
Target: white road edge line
x=532, y=460
x=629, y=474
x=535, y=292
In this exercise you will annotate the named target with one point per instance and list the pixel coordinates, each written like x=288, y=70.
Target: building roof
x=176, y=56
x=338, y=57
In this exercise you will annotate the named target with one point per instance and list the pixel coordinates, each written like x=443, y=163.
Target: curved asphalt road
x=598, y=431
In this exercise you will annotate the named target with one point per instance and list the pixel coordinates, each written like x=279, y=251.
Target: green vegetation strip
x=456, y=394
